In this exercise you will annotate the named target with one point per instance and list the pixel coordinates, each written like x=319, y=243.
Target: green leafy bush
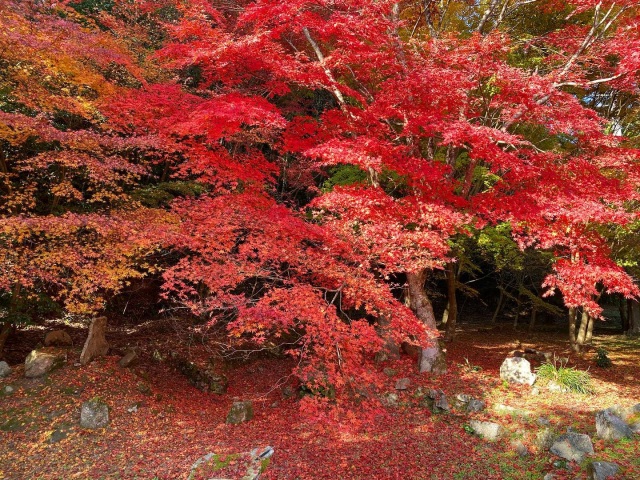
x=574, y=380
x=602, y=359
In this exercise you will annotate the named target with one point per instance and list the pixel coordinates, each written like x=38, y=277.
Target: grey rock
x=602, y=470
x=128, y=359
x=440, y=401
x=96, y=344
x=462, y=399
x=5, y=369
x=207, y=378
x=611, y=427
x=94, y=414
x=59, y=434
x=543, y=422
x=545, y=438
x=403, y=384
x=555, y=387
x=390, y=399
x=240, y=412
x=432, y=359
x=254, y=461
x=549, y=476
x=475, y=405
x=57, y=338
x=42, y=361
x=635, y=426
x=288, y=391
x=517, y=370
x=143, y=388
x=520, y=448
x=389, y=372
x=487, y=430
x=8, y=390
x=572, y=446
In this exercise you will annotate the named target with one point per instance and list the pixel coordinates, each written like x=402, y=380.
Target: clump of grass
x=602, y=359
x=469, y=367
x=572, y=379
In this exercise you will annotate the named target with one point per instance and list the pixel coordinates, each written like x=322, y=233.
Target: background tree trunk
x=532, y=321
x=624, y=318
x=452, y=308
x=499, y=306
x=431, y=358
x=634, y=317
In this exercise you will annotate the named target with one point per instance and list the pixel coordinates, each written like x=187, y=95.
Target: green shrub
x=568, y=377
x=602, y=360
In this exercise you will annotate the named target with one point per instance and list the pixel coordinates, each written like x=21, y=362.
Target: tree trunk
x=589, y=336
x=532, y=322
x=624, y=318
x=499, y=306
x=390, y=350
x=518, y=307
x=431, y=358
x=634, y=318
x=582, y=331
x=7, y=327
x=452, y=308
x=572, y=329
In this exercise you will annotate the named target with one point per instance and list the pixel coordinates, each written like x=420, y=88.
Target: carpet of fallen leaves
x=174, y=424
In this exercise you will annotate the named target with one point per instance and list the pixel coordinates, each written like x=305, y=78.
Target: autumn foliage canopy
x=283, y=165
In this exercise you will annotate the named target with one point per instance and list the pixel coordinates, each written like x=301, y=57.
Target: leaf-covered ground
x=175, y=424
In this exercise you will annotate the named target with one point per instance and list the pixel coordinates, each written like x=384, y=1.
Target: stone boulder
x=520, y=448
x=517, y=370
x=432, y=359
x=5, y=369
x=96, y=344
x=240, y=412
x=94, y=414
x=572, y=446
x=545, y=439
x=42, y=361
x=254, y=462
x=488, y=430
x=129, y=358
x=437, y=401
x=602, y=470
x=57, y=338
x=208, y=378
x=609, y=426
x=475, y=405
x=466, y=402
x=403, y=384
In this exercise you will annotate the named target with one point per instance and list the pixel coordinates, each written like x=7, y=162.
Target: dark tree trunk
x=572, y=329
x=624, y=317
x=452, y=304
x=634, y=317
x=532, y=321
x=518, y=307
x=5, y=331
x=499, y=306
x=432, y=357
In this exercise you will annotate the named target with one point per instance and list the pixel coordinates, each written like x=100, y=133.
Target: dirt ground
x=174, y=424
